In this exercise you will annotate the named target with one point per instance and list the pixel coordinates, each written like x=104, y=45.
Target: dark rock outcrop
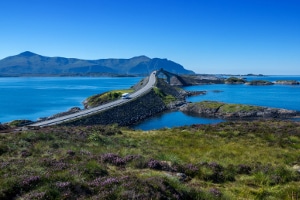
x=4, y=127
x=186, y=80
x=194, y=93
x=259, y=82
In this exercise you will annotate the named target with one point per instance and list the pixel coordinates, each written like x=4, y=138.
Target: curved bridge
x=170, y=78
x=87, y=112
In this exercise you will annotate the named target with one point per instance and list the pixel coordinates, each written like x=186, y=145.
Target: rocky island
x=237, y=111
x=259, y=82
x=235, y=80
x=287, y=82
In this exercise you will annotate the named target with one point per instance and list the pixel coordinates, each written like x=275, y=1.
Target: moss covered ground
x=231, y=160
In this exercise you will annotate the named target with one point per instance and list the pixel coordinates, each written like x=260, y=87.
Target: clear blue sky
x=206, y=36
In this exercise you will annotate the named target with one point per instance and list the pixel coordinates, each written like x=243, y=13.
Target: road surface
x=86, y=112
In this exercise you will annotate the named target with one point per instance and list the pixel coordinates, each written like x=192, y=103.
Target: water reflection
x=174, y=119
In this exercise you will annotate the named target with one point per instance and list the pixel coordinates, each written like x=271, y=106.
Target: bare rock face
x=202, y=109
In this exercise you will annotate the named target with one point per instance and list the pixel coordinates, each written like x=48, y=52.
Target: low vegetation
x=106, y=97
x=216, y=108
x=231, y=160
x=231, y=108
x=210, y=104
x=237, y=111
x=235, y=80
x=167, y=98
x=18, y=123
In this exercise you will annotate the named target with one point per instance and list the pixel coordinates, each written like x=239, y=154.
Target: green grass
x=230, y=108
x=106, y=97
x=231, y=160
x=226, y=107
x=210, y=104
x=167, y=98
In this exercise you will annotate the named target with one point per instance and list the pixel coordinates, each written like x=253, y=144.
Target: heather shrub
x=35, y=195
x=241, y=160
x=17, y=185
x=190, y=170
x=159, y=165
x=243, y=169
x=218, y=174
x=215, y=192
x=30, y=182
x=113, y=159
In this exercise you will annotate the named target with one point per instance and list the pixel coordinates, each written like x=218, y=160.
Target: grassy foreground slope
x=232, y=160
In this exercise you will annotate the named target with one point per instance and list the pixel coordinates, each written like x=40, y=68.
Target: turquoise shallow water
x=31, y=98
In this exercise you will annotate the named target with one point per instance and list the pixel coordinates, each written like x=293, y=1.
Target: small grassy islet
x=103, y=98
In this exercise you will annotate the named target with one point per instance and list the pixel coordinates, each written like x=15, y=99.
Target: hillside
x=232, y=160
x=28, y=63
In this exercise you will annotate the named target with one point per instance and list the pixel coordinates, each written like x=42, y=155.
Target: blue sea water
x=277, y=96
x=32, y=98
x=35, y=97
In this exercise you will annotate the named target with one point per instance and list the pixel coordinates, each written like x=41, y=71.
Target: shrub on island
x=235, y=80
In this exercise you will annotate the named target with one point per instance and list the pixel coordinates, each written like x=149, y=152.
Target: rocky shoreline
x=167, y=97
x=233, y=80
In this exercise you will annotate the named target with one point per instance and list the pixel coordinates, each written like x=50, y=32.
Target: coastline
x=175, y=109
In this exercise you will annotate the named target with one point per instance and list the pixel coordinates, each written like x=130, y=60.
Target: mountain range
x=28, y=63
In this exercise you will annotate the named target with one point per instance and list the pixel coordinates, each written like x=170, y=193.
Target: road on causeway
x=150, y=84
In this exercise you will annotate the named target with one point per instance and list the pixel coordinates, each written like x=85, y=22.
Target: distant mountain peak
x=142, y=56
x=27, y=54
x=29, y=63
